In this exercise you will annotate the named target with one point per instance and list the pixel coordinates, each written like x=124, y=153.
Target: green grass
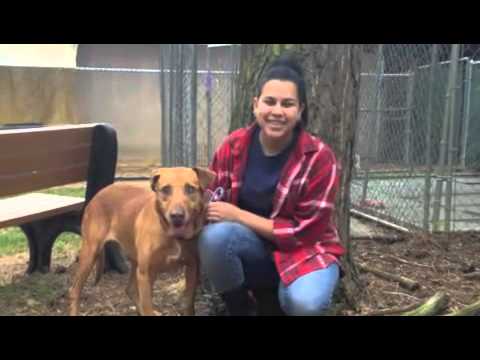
x=13, y=240
x=66, y=191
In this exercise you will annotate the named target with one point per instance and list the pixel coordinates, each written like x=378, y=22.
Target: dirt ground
x=439, y=264
x=436, y=266
x=45, y=294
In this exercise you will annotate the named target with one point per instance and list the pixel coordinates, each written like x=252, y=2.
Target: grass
x=13, y=240
x=66, y=191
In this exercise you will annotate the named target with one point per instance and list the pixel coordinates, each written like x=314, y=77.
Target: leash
x=216, y=195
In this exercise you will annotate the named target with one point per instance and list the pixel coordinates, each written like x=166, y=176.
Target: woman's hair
x=286, y=67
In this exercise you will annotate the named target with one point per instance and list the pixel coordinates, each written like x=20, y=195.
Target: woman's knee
x=310, y=295
x=216, y=234
x=313, y=305
x=308, y=307
x=216, y=238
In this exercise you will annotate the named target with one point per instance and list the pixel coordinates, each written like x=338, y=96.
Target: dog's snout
x=177, y=217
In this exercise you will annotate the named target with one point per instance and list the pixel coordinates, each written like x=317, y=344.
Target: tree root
x=403, y=281
x=472, y=276
x=432, y=306
x=393, y=311
x=469, y=310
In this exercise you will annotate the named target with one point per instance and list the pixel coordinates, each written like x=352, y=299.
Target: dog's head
x=179, y=198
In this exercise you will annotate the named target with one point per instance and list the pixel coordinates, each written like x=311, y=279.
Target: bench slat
x=30, y=207
x=38, y=158
x=43, y=138
x=32, y=181
x=44, y=159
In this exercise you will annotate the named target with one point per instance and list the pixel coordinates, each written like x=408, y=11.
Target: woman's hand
x=222, y=211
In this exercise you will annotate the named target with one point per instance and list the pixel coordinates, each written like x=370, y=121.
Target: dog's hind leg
x=100, y=266
x=89, y=252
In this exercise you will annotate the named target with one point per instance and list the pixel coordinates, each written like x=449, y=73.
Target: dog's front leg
x=132, y=287
x=145, y=283
x=191, y=282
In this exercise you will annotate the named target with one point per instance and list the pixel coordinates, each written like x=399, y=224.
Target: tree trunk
x=332, y=74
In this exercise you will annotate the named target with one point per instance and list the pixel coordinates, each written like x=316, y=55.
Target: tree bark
x=332, y=74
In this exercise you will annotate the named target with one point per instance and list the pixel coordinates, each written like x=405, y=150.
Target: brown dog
x=156, y=229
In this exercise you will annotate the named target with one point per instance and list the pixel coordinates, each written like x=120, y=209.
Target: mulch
x=437, y=263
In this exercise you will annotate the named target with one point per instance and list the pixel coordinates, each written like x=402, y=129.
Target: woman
x=273, y=231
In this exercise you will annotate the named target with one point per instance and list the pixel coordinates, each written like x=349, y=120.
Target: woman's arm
x=223, y=211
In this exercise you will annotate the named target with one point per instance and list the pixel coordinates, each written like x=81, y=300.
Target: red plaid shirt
x=306, y=237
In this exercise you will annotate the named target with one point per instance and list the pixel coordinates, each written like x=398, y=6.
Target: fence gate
x=417, y=153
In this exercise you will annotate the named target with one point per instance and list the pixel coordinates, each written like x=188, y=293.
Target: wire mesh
x=416, y=159
x=197, y=102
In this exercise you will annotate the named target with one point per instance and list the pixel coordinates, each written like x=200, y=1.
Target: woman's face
x=277, y=110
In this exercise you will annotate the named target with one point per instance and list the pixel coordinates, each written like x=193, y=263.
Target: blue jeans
x=232, y=255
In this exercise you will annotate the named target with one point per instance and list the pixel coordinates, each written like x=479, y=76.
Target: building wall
x=42, y=55
x=143, y=56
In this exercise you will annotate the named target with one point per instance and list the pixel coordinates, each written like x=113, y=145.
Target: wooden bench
x=38, y=158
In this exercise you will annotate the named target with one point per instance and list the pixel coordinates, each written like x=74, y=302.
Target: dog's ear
x=154, y=179
x=205, y=176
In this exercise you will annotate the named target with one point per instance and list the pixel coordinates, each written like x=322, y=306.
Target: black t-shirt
x=261, y=176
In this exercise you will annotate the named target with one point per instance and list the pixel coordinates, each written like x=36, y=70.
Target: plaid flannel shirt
x=306, y=237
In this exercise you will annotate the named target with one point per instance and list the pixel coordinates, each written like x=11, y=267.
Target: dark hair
x=286, y=67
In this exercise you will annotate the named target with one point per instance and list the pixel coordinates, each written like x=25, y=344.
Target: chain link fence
x=196, y=103
x=417, y=160
x=175, y=115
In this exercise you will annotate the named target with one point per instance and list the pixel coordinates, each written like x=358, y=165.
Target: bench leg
x=41, y=236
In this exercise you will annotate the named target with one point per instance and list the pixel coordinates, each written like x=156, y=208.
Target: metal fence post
x=180, y=118
x=194, y=72
x=451, y=141
x=368, y=159
x=208, y=88
x=428, y=174
x=442, y=162
x=163, y=112
x=379, y=104
x=171, y=109
x=408, y=126
x=466, y=112
x=232, y=83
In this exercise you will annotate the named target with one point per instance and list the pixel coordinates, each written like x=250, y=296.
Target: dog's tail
x=100, y=266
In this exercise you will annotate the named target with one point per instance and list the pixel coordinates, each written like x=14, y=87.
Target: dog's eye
x=189, y=189
x=166, y=190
